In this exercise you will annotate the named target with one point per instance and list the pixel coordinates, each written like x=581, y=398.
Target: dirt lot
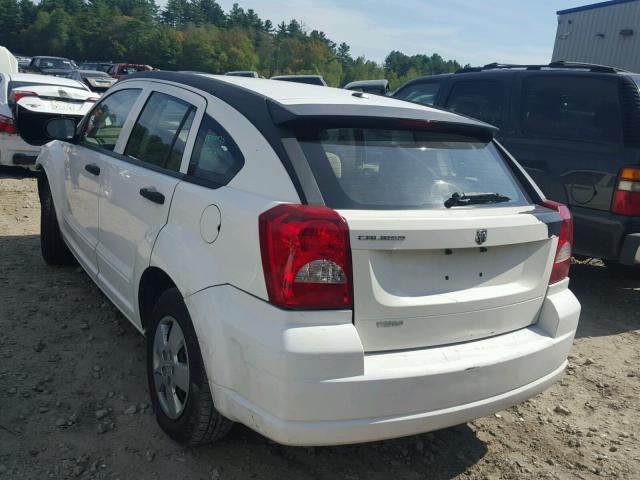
x=73, y=396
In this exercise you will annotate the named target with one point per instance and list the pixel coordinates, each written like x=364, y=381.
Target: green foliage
x=194, y=35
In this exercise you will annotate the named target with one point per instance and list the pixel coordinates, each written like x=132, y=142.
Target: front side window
x=106, y=120
x=160, y=134
x=424, y=93
x=362, y=168
x=216, y=158
x=483, y=100
x=571, y=108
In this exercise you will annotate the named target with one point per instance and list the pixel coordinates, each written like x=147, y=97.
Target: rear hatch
x=100, y=84
x=425, y=274
x=35, y=105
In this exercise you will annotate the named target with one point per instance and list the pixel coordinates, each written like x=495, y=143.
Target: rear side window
x=216, y=158
x=106, y=120
x=358, y=168
x=424, y=93
x=571, y=108
x=483, y=100
x=160, y=133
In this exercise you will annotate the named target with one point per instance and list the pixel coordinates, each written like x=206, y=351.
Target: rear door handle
x=93, y=169
x=150, y=193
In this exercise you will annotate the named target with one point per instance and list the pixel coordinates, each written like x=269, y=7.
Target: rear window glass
x=359, y=168
x=128, y=70
x=55, y=63
x=572, y=108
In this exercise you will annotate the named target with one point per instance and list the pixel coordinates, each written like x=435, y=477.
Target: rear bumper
x=605, y=235
x=16, y=152
x=302, y=378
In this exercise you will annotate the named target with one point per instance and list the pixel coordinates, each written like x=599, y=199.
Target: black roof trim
x=593, y=6
x=560, y=64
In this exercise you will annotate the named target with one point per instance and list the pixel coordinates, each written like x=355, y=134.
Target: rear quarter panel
x=181, y=249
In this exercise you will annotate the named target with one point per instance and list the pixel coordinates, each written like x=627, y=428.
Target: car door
x=138, y=187
x=84, y=163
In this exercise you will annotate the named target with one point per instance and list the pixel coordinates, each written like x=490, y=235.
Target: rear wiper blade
x=461, y=199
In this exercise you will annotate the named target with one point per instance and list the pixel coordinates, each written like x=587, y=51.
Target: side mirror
x=61, y=129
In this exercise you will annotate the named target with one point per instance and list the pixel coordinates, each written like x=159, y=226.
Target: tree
x=10, y=23
x=194, y=35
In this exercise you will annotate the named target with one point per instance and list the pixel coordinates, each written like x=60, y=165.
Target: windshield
x=359, y=168
x=55, y=63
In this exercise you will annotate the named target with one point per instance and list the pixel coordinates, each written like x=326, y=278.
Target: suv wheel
x=177, y=380
x=54, y=250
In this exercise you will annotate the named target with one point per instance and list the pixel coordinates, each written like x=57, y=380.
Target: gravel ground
x=74, y=401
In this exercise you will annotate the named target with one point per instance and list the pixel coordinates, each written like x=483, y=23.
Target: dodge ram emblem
x=481, y=236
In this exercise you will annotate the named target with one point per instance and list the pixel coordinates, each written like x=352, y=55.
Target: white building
x=606, y=33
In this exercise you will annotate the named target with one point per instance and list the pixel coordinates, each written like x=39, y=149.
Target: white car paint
x=56, y=96
x=8, y=63
x=444, y=353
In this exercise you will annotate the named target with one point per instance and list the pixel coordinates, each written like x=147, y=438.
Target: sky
x=470, y=31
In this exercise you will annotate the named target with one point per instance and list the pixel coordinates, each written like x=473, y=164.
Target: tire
x=195, y=421
x=54, y=250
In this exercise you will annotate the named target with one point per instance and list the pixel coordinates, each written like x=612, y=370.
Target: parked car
x=96, y=81
x=303, y=261
x=56, y=66
x=310, y=79
x=23, y=62
x=573, y=127
x=119, y=70
x=100, y=66
x=35, y=99
x=376, y=87
x=244, y=73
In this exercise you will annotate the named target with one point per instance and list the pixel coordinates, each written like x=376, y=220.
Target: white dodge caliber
x=322, y=266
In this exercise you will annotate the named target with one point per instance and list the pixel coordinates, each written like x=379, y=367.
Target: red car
x=119, y=70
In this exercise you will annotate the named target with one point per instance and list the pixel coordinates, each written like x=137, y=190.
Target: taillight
x=18, y=94
x=626, y=196
x=6, y=124
x=306, y=257
x=562, y=260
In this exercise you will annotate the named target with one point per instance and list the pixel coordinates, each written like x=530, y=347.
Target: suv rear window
x=362, y=168
x=571, y=108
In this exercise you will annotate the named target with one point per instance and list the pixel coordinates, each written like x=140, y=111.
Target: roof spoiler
x=377, y=116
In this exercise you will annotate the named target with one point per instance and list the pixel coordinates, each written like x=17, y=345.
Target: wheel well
x=152, y=284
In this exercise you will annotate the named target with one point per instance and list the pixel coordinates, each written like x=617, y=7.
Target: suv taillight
x=306, y=257
x=562, y=260
x=626, y=197
x=6, y=124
